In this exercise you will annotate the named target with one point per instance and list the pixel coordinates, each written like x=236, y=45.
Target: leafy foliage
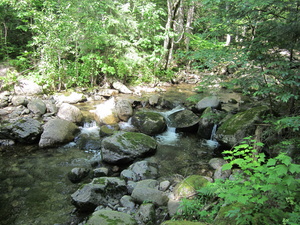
x=268, y=187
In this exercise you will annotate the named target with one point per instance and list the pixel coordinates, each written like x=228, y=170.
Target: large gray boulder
x=27, y=87
x=70, y=112
x=239, y=126
x=147, y=191
x=211, y=101
x=125, y=147
x=108, y=217
x=124, y=109
x=106, y=112
x=37, y=106
x=184, y=120
x=101, y=191
x=4, y=98
x=57, y=132
x=25, y=130
x=206, y=123
x=150, y=123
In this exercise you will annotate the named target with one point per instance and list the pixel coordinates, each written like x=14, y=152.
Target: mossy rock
x=107, y=130
x=109, y=217
x=239, y=126
x=189, y=186
x=182, y=222
x=125, y=147
x=150, y=123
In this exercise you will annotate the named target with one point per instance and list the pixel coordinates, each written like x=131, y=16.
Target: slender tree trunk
x=188, y=28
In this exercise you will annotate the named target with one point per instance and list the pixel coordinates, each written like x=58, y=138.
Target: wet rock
x=128, y=175
x=101, y=191
x=164, y=185
x=240, y=125
x=51, y=107
x=211, y=101
x=144, y=170
x=106, y=113
x=184, y=120
x=145, y=191
x=121, y=87
x=124, y=109
x=70, y=113
x=124, y=147
x=150, y=123
x=76, y=175
x=216, y=163
x=146, y=214
x=127, y=202
x=189, y=186
x=206, y=123
x=100, y=172
x=107, y=217
x=108, y=130
x=27, y=87
x=57, y=132
x=37, y=106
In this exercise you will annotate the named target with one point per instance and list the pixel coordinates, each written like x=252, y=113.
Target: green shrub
x=267, y=189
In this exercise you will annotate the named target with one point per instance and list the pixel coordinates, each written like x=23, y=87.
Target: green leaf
x=226, y=166
x=271, y=162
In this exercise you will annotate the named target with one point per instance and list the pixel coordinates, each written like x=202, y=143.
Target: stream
x=34, y=188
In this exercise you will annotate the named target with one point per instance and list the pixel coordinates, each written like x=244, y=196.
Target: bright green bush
x=267, y=189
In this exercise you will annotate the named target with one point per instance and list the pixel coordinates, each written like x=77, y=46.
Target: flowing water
x=34, y=188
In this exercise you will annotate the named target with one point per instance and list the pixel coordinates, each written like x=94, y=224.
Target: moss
x=136, y=139
x=242, y=119
x=99, y=181
x=189, y=186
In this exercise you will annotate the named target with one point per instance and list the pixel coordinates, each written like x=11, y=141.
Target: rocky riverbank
x=129, y=189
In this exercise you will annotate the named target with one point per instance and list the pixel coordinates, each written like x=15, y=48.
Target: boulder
x=57, y=132
x=76, y=175
x=86, y=141
x=72, y=98
x=108, y=217
x=184, y=120
x=106, y=112
x=124, y=109
x=101, y=191
x=189, y=186
x=70, y=113
x=19, y=100
x=211, y=101
x=144, y=170
x=240, y=125
x=27, y=87
x=150, y=123
x=125, y=147
x=216, y=163
x=107, y=92
x=147, y=191
x=37, y=106
x=27, y=130
x=51, y=107
x=146, y=214
x=107, y=130
x=154, y=100
x=121, y=87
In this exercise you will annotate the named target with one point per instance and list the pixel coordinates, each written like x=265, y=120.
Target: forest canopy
x=62, y=44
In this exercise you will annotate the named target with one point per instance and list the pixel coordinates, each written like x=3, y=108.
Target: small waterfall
x=212, y=142
x=169, y=137
x=126, y=126
x=90, y=128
